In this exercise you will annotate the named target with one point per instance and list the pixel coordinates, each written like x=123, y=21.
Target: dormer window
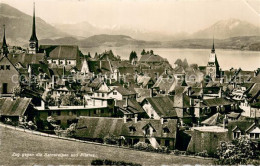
x=236, y=134
x=166, y=130
x=132, y=129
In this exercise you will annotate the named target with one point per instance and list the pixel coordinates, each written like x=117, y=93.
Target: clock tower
x=212, y=68
x=33, y=42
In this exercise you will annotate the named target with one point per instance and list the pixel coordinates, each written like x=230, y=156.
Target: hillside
x=228, y=29
x=239, y=43
x=102, y=40
x=19, y=26
x=17, y=142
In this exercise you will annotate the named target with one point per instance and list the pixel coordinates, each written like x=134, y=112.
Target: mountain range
x=232, y=34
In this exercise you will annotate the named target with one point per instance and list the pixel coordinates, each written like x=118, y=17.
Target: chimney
x=136, y=118
x=151, y=92
x=124, y=118
x=161, y=120
x=43, y=104
x=220, y=92
x=225, y=121
x=189, y=91
x=126, y=102
x=53, y=81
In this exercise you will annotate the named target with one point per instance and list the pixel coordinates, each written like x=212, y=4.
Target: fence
x=82, y=141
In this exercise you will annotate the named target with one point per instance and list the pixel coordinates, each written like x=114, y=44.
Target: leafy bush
x=149, y=148
x=204, y=153
x=240, y=151
x=110, y=162
x=112, y=140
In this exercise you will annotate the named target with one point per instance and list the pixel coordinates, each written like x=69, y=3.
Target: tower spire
x=213, y=47
x=33, y=36
x=33, y=42
x=4, y=46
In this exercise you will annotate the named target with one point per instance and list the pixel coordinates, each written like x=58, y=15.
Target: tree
x=151, y=52
x=185, y=63
x=240, y=151
x=194, y=66
x=50, y=100
x=132, y=56
x=143, y=52
x=17, y=90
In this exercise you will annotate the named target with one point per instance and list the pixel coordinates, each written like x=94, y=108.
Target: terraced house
x=156, y=132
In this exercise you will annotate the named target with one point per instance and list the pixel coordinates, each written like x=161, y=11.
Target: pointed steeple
x=33, y=36
x=4, y=46
x=33, y=42
x=213, y=47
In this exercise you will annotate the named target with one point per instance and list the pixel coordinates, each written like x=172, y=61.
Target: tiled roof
x=171, y=124
x=151, y=58
x=211, y=121
x=254, y=90
x=40, y=68
x=142, y=93
x=117, y=64
x=144, y=80
x=133, y=106
x=16, y=107
x=163, y=106
x=242, y=125
x=26, y=59
x=233, y=115
x=98, y=67
x=90, y=127
x=124, y=91
x=164, y=84
x=217, y=102
x=64, y=52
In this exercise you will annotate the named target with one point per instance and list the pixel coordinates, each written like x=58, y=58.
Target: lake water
x=247, y=60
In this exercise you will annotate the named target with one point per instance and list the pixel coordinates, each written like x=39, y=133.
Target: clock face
x=32, y=45
x=211, y=70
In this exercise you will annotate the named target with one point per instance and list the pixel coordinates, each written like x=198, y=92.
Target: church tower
x=33, y=42
x=212, y=69
x=4, y=46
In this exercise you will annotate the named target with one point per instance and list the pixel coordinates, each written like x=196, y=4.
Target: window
x=103, y=95
x=251, y=135
x=7, y=67
x=95, y=111
x=5, y=85
x=236, y=134
x=102, y=111
x=132, y=129
x=167, y=143
x=166, y=130
x=136, y=141
x=256, y=135
x=2, y=67
x=114, y=93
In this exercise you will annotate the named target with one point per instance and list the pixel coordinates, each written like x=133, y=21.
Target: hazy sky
x=157, y=15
